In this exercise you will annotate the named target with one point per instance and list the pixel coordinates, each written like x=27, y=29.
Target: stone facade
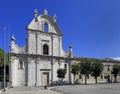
x=36, y=63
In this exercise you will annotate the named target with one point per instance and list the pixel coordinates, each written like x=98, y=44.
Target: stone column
x=36, y=72
x=59, y=46
x=29, y=72
x=51, y=58
x=36, y=43
x=28, y=39
x=36, y=59
x=26, y=71
x=13, y=70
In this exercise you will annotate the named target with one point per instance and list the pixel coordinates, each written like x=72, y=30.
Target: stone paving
x=29, y=90
x=68, y=89
x=113, y=88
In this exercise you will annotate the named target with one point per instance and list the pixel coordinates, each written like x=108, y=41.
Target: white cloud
x=116, y=58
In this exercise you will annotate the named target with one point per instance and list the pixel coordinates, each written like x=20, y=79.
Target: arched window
x=20, y=66
x=65, y=66
x=108, y=69
x=45, y=49
x=46, y=27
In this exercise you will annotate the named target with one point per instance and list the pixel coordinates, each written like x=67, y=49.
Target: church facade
x=36, y=63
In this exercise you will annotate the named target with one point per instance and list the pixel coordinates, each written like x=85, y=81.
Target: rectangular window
x=88, y=77
x=20, y=65
x=101, y=76
x=108, y=69
x=65, y=66
x=80, y=76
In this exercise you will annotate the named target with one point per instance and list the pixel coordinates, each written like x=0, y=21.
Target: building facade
x=36, y=63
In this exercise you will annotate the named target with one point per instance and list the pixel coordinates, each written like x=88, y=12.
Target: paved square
x=89, y=89
x=29, y=90
x=68, y=89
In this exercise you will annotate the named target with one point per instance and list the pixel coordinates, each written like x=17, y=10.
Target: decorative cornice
x=45, y=40
x=60, y=58
x=45, y=69
x=49, y=33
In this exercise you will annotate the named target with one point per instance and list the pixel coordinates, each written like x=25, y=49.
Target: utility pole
x=4, y=29
x=9, y=65
x=9, y=55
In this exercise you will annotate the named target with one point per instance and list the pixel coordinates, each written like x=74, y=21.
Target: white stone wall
x=31, y=74
x=45, y=39
x=44, y=66
x=16, y=49
x=55, y=45
x=39, y=44
x=32, y=43
x=13, y=71
x=55, y=68
x=40, y=24
x=62, y=52
x=18, y=76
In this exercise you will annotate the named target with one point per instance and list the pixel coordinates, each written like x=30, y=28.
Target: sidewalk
x=29, y=90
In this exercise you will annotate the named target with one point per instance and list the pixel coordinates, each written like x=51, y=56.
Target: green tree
x=2, y=64
x=2, y=58
x=61, y=74
x=115, y=71
x=107, y=77
x=85, y=68
x=97, y=68
x=75, y=69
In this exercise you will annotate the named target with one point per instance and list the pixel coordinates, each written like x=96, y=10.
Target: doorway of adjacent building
x=45, y=78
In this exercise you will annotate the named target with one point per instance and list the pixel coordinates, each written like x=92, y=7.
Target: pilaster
x=29, y=72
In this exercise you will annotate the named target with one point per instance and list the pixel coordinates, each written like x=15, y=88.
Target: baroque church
x=36, y=63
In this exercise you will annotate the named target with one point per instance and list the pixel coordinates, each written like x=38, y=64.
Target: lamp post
x=4, y=29
x=9, y=59
x=9, y=65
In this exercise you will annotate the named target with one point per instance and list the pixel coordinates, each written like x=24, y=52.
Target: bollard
x=45, y=87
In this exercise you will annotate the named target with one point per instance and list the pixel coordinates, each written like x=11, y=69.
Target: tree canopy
x=85, y=68
x=61, y=73
x=75, y=69
x=115, y=71
x=97, y=68
x=2, y=64
x=2, y=57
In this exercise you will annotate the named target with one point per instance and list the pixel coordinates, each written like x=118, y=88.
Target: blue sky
x=91, y=26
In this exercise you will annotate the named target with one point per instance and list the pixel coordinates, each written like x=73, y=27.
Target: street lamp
x=9, y=65
x=4, y=29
